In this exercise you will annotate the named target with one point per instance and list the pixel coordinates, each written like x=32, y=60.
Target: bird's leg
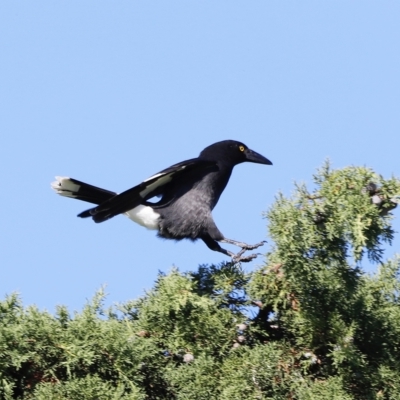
x=214, y=245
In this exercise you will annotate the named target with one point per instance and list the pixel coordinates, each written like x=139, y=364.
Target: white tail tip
x=64, y=186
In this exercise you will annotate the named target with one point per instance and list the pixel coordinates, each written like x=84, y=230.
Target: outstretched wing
x=153, y=186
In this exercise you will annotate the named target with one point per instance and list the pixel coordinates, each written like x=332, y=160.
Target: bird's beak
x=254, y=157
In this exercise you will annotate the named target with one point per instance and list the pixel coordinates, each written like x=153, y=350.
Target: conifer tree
x=310, y=323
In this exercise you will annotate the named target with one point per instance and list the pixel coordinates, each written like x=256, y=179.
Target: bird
x=187, y=193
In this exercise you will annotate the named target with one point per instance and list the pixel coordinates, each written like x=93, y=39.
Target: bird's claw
x=253, y=246
x=236, y=258
x=239, y=258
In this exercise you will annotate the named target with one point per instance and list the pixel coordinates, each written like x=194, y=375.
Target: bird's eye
x=241, y=148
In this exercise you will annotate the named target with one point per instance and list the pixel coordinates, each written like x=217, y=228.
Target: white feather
x=163, y=173
x=64, y=187
x=145, y=216
x=159, y=182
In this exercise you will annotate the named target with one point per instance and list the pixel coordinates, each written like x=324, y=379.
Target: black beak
x=254, y=157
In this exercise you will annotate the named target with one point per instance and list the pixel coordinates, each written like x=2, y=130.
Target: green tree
x=308, y=324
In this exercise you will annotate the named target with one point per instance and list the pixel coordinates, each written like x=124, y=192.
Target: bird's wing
x=150, y=187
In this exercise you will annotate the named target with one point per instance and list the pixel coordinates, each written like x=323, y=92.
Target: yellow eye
x=241, y=148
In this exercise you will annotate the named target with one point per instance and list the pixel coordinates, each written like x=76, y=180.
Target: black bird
x=189, y=191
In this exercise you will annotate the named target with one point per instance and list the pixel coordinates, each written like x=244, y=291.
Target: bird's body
x=188, y=193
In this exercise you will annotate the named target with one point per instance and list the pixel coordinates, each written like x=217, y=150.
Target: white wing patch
x=159, y=182
x=163, y=173
x=154, y=176
x=163, y=178
x=145, y=216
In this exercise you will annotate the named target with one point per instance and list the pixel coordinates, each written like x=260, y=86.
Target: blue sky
x=112, y=92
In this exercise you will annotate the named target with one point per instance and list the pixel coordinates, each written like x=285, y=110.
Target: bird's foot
x=237, y=258
x=244, y=246
x=252, y=246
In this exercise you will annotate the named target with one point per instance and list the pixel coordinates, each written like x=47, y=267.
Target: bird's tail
x=75, y=189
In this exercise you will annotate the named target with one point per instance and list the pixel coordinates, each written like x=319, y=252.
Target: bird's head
x=231, y=152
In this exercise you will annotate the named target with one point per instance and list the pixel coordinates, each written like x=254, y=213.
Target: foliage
x=308, y=324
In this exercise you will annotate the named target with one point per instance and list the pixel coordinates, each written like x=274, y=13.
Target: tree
x=308, y=324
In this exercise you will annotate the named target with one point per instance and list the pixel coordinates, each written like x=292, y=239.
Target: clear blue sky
x=112, y=92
